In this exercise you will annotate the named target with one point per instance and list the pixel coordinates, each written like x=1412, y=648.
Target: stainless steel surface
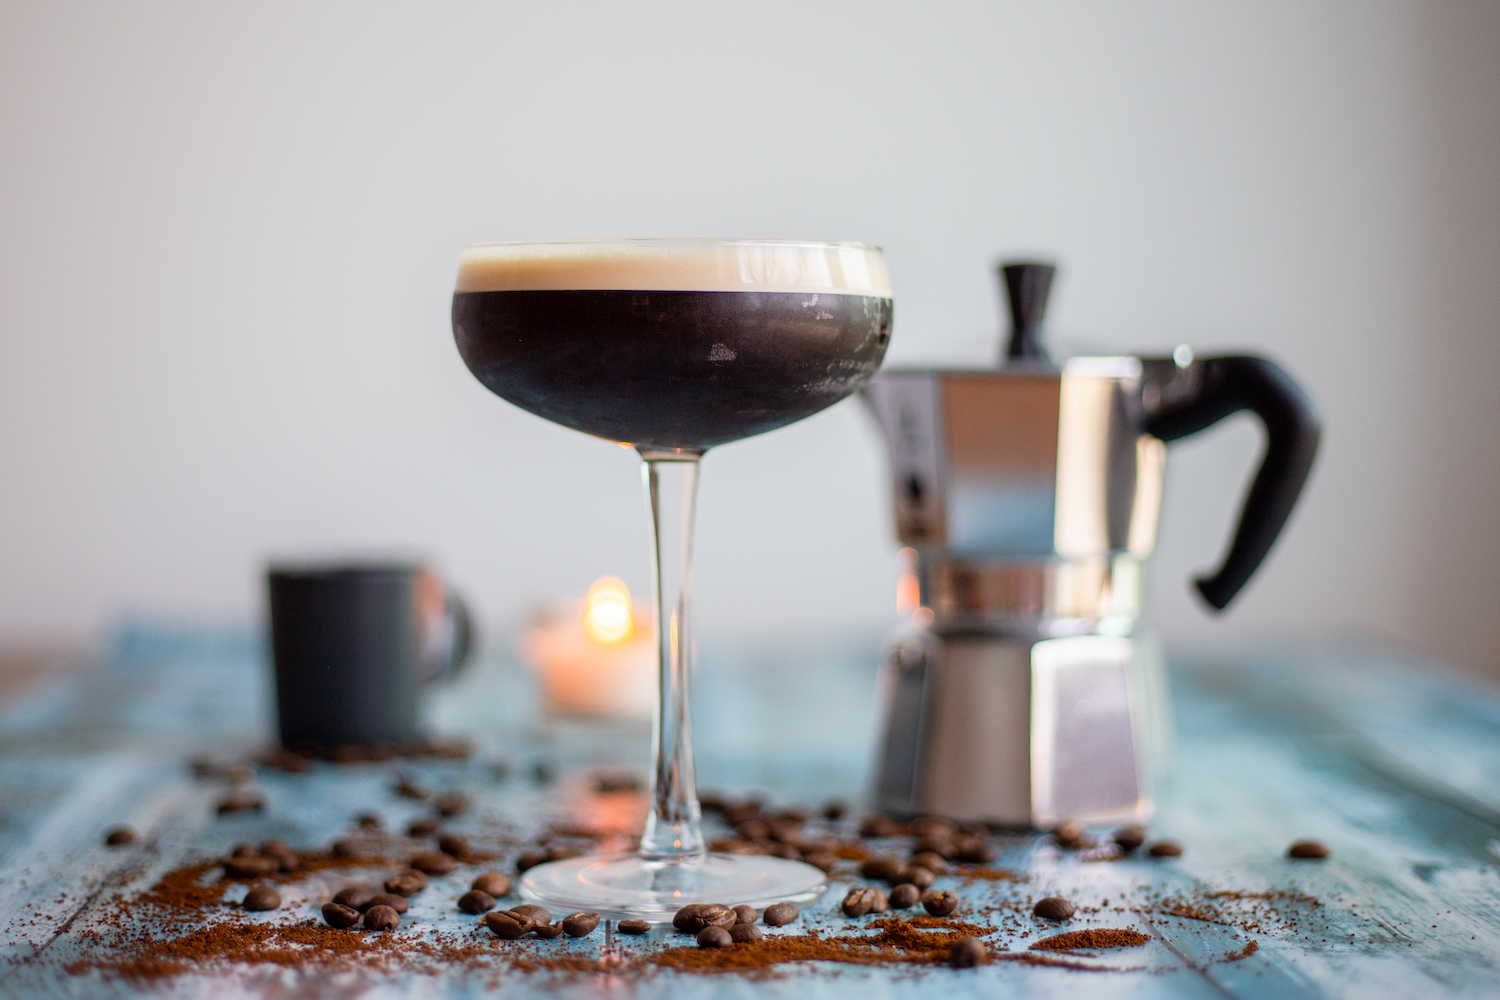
x=1041, y=599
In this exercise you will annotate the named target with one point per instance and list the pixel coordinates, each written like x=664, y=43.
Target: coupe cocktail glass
x=672, y=347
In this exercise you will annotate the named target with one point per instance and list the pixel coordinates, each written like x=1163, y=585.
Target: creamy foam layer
x=675, y=266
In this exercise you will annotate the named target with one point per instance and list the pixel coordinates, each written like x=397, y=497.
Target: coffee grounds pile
x=1091, y=939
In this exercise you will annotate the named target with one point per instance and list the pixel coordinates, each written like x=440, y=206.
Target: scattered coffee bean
x=244, y=851
x=508, y=924
x=348, y=848
x=905, y=896
x=779, y=914
x=967, y=952
x=406, y=884
x=262, y=897
x=879, y=904
x=941, y=846
x=741, y=933
x=529, y=859
x=932, y=861
x=714, y=937
x=686, y=918
x=788, y=851
x=381, y=918
x=455, y=844
x=476, y=901
x=939, y=904
x=744, y=914
x=860, y=901
x=1129, y=838
x=450, y=803
x=119, y=836
x=879, y=826
x=275, y=846
x=433, y=863
x=634, y=926
x=548, y=930
x=736, y=813
x=974, y=851
x=538, y=914
x=580, y=924
x=712, y=915
x=494, y=883
x=239, y=802
x=395, y=902
x=1165, y=849
x=1053, y=908
x=1070, y=835
x=424, y=827
x=368, y=821
x=1308, y=849
x=340, y=916
x=410, y=790
x=356, y=897
x=884, y=869
x=833, y=810
x=824, y=860
x=915, y=875
x=560, y=852
x=256, y=867
x=753, y=829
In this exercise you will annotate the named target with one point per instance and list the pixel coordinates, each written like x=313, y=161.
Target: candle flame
x=606, y=612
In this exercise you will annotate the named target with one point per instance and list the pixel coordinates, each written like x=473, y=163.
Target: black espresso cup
x=353, y=645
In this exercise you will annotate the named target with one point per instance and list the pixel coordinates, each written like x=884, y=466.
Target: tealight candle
x=596, y=656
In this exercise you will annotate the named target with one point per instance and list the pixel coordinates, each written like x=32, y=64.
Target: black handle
x=1026, y=286
x=462, y=644
x=1185, y=399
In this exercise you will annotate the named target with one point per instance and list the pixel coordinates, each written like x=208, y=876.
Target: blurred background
x=228, y=238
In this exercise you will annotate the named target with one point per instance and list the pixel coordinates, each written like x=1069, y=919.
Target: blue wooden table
x=1394, y=764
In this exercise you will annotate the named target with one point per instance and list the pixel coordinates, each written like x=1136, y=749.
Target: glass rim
x=689, y=241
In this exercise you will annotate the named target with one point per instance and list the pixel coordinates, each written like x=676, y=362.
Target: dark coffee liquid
x=684, y=370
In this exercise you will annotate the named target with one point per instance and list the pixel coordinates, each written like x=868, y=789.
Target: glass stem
x=672, y=827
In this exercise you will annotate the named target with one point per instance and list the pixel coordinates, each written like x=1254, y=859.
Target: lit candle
x=595, y=657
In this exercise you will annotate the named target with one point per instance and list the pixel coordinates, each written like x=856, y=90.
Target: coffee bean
x=455, y=844
x=1308, y=849
x=395, y=902
x=941, y=846
x=424, y=827
x=529, y=859
x=736, y=813
x=410, y=790
x=406, y=884
x=580, y=924
x=561, y=852
x=714, y=937
x=381, y=918
x=824, y=860
x=934, y=826
x=686, y=918
x=634, y=926
x=548, y=930
x=905, y=896
x=779, y=914
x=508, y=924
x=879, y=904
x=1070, y=835
x=262, y=897
x=931, y=860
x=1128, y=838
x=741, y=933
x=939, y=904
x=369, y=821
x=476, y=901
x=879, y=826
x=349, y=848
x=1165, y=849
x=915, y=875
x=753, y=829
x=974, y=851
x=340, y=916
x=538, y=914
x=244, y=851
x=494, y=883
x=356, y=897
x=239, y=802
x=256, y=867
x=833, y=810
x=433, y=863
x=744, y=914
x=713, y=915
x=967, y=952
x=119, y=836
x=1053, y=908
x=860, y=901
x=884, y=869
x=450, y=803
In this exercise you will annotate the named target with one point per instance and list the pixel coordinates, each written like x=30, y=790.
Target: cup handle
x=461, y=629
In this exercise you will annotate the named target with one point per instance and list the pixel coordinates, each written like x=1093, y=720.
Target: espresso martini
x=672, y=345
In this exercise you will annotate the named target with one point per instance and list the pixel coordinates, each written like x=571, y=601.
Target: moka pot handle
x=1184, y=399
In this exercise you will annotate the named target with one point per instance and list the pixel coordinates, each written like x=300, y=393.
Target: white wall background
x=228, y=232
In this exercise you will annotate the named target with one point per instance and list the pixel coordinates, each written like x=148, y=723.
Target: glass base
x=627, y=885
